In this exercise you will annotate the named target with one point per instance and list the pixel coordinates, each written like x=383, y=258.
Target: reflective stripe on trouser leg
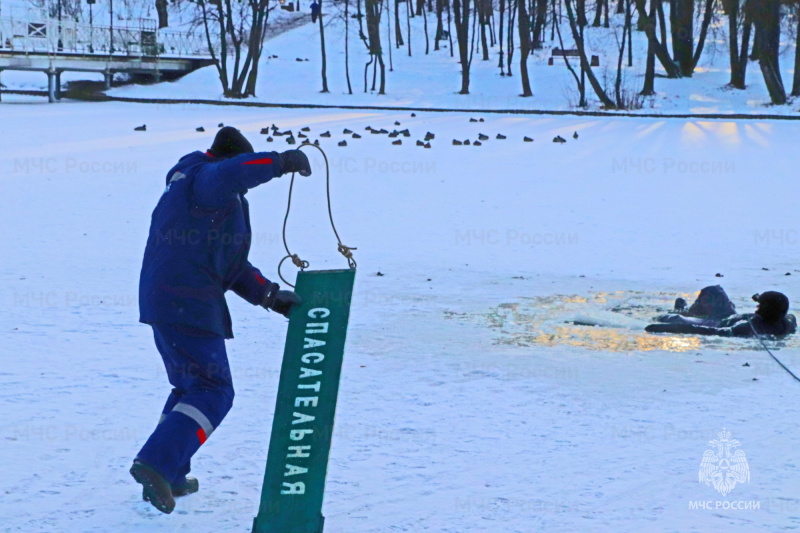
x=173, y=398
x=206, y=427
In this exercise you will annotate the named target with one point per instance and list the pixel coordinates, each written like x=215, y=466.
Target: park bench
x=557, y=52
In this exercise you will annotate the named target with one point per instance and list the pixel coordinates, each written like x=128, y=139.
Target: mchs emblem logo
x=723, y=466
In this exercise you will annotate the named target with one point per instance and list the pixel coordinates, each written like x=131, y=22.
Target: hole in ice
x=610, y=321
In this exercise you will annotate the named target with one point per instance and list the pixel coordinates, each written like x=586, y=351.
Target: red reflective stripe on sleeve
x=201, y=436
x=260, y=278
x=264, y=161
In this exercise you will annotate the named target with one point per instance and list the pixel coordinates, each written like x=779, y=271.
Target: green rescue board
x=297, y=460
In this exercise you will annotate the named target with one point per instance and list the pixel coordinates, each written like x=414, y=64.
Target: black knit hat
x=230, y=142
x=772, y=305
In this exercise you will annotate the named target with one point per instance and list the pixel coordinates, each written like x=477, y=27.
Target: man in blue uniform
x=197, y=250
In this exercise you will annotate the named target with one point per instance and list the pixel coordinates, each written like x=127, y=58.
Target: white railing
x=32, y=33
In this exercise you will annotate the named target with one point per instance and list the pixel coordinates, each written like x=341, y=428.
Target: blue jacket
x=199, y=242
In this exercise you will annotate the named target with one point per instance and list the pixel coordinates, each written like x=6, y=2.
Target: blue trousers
x=202, y=394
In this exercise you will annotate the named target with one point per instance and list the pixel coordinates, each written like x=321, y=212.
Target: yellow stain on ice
x=645, y=131
x=547, y=321
x=727, y=132
x=692, y=133
x=611, y=340
x=756, y=134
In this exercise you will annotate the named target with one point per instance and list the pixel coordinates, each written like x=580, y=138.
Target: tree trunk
x=650, y=68
x=524, y=46
x=731, y=8
x=618, y=81
x=579, y=80
x=373, y=15
x=322, y=49
x=659, y=49
x=398, y=33
x=796, y=80
x=163, y=14
x=585, y=66
x=425, y=28
x=580, y=7
x=707, y=15
x=449, y=31
x=681, y=18
x=538, y=27
x=512, y=17
x=629, y=14
x=482, y=21
x=408, y=25
x=219, y=62
x=766, y=18
x=439, y=26
x=598, y=13
x=388, y=31
x=662, y=21
x=500, y=39
x=346, y=45
x=461, y=16
x=257, y=34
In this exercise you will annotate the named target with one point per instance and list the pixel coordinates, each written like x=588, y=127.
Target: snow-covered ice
x=469, y=402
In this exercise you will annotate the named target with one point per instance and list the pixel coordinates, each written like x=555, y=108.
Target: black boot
x=189, y=485
x=156, y=489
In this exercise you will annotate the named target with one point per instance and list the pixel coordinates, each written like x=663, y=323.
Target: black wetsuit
x=734, y=326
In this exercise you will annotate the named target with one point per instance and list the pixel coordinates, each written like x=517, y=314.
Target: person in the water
x=711, y=306
x=770, y=318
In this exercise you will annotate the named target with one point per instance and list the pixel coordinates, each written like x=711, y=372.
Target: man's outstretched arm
x=218, y=181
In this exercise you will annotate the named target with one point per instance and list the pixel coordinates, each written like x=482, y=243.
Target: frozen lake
x=470, y=401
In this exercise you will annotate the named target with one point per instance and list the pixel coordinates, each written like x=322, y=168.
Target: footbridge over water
x=31, y=41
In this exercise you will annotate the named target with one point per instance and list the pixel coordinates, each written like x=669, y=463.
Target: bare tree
x=701, y=41
x=796, y=79
x=577, y=34
x=738, y=53
x=648, y=23
x=461, y=15
x=524, y=46
x=681, y=18
x=346, y=45
x=163, y=14
x=766, y=17
x=398, y=33
x=439, y=34
x=324, y=71
x=241, y=28
x=539, y=22
x=500, y=38
x=373, y=9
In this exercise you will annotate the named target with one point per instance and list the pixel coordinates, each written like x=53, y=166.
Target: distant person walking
x=314, y=11
x=196, y=251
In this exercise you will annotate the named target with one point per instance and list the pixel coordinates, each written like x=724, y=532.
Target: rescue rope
x=346, y=251
x=761, y=340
